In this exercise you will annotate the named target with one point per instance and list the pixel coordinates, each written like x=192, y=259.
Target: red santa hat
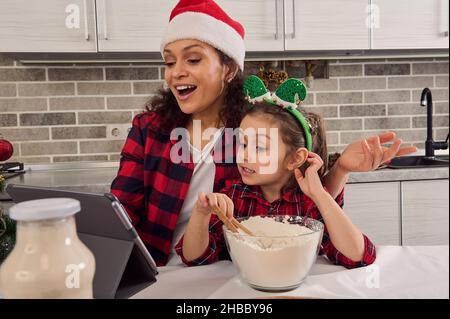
x=204, y=20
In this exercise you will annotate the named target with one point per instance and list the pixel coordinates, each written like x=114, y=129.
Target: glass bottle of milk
x=48, y=260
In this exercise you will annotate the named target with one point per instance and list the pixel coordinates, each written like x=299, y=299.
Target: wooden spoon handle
x=224, y=218
x=239, y=225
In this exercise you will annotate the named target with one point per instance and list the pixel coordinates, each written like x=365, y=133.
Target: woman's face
x=195, y=75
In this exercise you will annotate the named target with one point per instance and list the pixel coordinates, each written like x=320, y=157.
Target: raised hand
x=310, y=183
x=368, y=154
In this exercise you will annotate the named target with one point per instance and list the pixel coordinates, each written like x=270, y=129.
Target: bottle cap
x=47, y=208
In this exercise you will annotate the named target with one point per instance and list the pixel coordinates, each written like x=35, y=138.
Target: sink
x=419, y=161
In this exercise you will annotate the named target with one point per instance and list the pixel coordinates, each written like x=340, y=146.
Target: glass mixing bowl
x=275, y=262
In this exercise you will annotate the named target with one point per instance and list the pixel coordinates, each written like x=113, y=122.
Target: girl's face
x=262, y=154
x=195, y=75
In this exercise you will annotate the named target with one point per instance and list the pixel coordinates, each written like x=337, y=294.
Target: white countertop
x=398, y=272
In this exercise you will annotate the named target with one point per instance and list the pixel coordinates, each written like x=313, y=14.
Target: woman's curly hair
x=165, y=104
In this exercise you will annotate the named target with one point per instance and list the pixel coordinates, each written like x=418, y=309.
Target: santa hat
x=204, y=20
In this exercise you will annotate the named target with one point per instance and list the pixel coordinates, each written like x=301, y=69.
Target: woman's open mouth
x=185, y=91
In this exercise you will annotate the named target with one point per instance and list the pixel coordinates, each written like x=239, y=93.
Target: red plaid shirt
x=249, y=201
x=152, y=188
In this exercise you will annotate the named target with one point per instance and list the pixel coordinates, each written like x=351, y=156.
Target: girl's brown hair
x=293, y=135
x=165, y=104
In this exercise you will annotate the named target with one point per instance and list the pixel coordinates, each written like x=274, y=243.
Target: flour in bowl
x=279, y=256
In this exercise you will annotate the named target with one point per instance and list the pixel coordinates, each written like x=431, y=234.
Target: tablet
x=124, y=266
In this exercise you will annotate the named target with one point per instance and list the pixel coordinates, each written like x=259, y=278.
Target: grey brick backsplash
x=61, y=133
x=345, y=70
x=332, y=138
x=8, y=120
x=131, y=73
x=335, y=149
x=339, y=98
x=147, y=88
x=104, y=88
x=46, y=89
x=104, y=117
x=416, y=135
x=440, y=107
x=386, y=123
x=5, y=60
x=101, y=146
x=309, y=99
x=438, y=95
x=430, y=68
x=387, y=69
x=32, y=159
x=76, y=103
x=410, y=82
x=362, y=110
x=62, y=112
x=438, y=121
x=406, y=109
x=387, y=96
x=23, y=104
x=25, y=134
x=7, y=89
x=48, y=148
x=75, y=74
x=114, y=157
x=324, y=111
x=440, y=134
x=362, y=84
x=13, y=74
x=442, y=81
x=343, y=125
x=88, y=158
x=128, y=102
x=34, y=119
x=324, y=85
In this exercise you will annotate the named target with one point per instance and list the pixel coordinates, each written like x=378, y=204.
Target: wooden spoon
x=232, y=224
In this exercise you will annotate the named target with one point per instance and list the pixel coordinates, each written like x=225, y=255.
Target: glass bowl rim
x=242, y=234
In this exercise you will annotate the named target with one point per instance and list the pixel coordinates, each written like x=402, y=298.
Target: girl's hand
x=310, y=183
x=367, y=154
x=205, y=201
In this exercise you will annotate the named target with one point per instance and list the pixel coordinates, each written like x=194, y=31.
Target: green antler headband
x=288, y=96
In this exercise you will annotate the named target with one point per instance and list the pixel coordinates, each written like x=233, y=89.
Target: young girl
x=285, y=191
x=203, y=49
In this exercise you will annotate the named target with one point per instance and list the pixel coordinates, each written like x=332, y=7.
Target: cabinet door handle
x=277, y=34
x=293, y=20
x=105, y=22
x=86, y=30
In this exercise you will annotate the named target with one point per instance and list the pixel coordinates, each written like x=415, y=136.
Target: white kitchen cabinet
x=410, y=24
x=132, y=25
x=262, y=20
x=47, y=26
x=375, y=209
x=425, y=212
x=138, y=25
x=327, y=24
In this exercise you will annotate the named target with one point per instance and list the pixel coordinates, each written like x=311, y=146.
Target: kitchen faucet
x=430, y=145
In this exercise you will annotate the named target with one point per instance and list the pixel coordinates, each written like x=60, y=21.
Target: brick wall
x=80, y=112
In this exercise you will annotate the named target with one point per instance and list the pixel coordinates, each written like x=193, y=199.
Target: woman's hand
x=205, y=201
x=310, y=183
x=367, y=154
